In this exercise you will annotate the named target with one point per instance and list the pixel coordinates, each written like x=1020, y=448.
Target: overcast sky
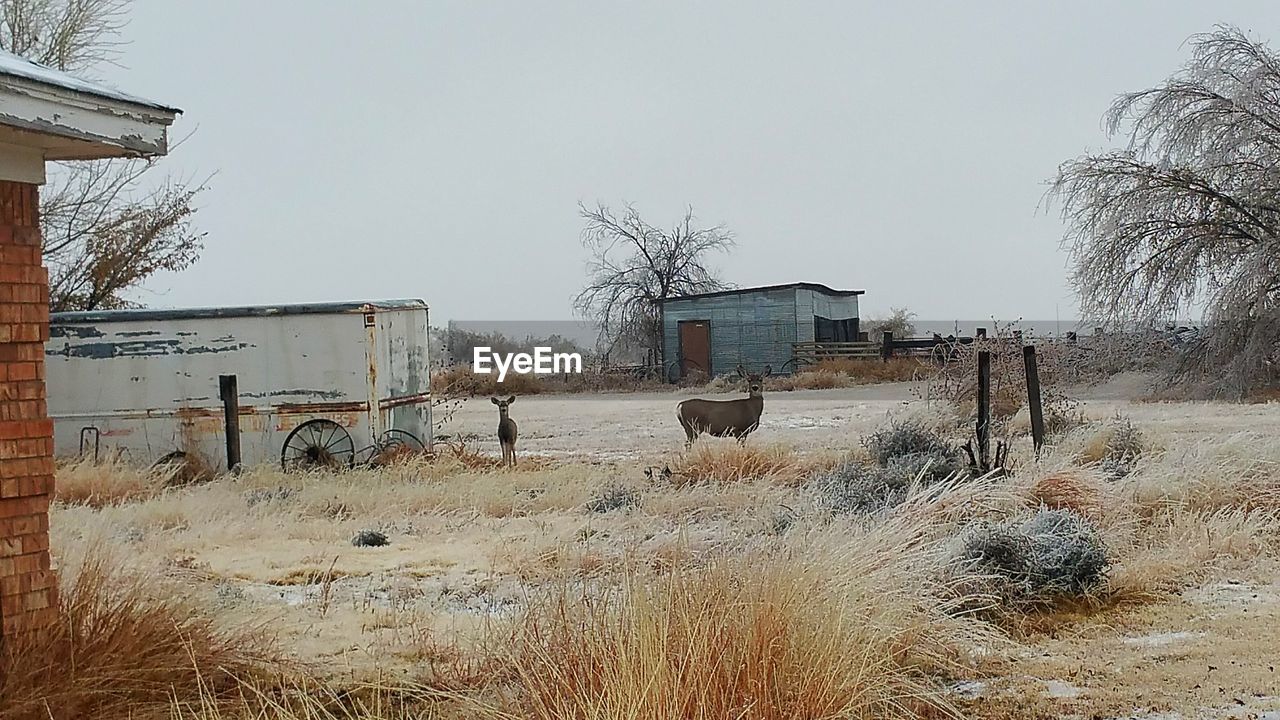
x=439, y=149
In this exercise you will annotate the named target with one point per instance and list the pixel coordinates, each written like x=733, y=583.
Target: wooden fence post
x=984, y=410
x=886, y=347
x=229, y=392
x=1033, y=396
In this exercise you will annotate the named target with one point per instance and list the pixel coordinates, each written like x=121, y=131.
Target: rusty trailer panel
x=146, y=381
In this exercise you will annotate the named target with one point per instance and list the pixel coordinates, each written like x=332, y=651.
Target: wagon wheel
x=675, y=369
x=394, y=443
x=794, y=365
x=317, y=443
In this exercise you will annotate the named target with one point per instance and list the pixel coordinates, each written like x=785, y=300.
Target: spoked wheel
x=396, y=443
x=318, y=444
x=794, y=365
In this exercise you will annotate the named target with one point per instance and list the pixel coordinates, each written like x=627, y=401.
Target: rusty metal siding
x=150, y=386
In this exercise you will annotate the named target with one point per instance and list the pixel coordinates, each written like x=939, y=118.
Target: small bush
x=855, y=487
x=730, y=462
x=1073, y=490
x=613, y=497
x=1116, y=447
x=1053, y=556
x=905, y=437
x=370, y=538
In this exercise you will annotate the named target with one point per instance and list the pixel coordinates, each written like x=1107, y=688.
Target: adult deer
x=506, y=431
x=725, y=418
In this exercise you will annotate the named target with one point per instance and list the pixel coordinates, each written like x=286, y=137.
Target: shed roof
x=18, y=66
x=816, y=287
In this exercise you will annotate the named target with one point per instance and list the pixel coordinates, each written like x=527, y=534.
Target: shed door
x=695, y=346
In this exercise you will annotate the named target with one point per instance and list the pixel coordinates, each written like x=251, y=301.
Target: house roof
x=47, y=114
x=816, y=287
x=17, y=66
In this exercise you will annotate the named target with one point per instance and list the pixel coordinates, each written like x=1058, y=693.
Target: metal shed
x=757, y=326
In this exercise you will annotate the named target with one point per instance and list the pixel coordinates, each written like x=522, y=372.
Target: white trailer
x=327, y=383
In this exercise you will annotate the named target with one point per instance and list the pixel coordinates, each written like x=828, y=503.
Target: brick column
x=28, y=586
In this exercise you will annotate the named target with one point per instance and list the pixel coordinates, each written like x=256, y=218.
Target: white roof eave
x=71, y=119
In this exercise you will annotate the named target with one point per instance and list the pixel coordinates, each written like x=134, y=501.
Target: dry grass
x=818, y=631
x=898, y=369
x=722, y=592
x=125, y=645
x=109, y=482
x=1075, y=489
x=731, y=462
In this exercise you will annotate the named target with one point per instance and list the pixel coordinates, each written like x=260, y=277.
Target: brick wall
x=28, y=587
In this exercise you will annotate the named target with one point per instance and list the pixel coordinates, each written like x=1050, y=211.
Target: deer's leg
x=513, y=454
x=690, y=433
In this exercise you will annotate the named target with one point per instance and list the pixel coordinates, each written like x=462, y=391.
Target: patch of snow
x=18, y=66
x=1161, y=639
x=1061, y=690
x=969, y=689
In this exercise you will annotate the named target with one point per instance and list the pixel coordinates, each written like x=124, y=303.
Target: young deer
x=725, y=418
x=506, y=431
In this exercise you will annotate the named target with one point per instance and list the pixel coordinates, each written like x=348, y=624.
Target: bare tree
x=1188, y=214
x=634, y=266
x=70, y=35
x=108, y=225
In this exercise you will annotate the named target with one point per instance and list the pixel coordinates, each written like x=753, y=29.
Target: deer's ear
x=648, y=472
x=666, y=471
x=768, y=370
x=493, y=400
x=511, y=399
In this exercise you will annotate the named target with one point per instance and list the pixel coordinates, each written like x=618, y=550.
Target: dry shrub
x=808, y=380
x=1052, y=557
x=186, y=468
x=107, y=482
x=833, y=629
x=957, y=380
x=898, y=369
x=737, y=463
x=125, y=645
x=840, y=373
x=1072, y=489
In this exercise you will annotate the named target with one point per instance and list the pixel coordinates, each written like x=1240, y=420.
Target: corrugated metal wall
x=753, y=328
x=810, y=303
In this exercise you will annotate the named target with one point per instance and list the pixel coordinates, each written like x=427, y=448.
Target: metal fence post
x=229, y=392
x=886, y=347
